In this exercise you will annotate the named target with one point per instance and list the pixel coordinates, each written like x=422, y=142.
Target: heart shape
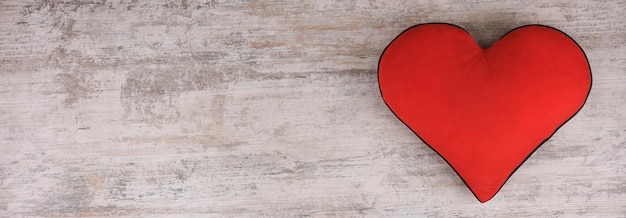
x=484, y=111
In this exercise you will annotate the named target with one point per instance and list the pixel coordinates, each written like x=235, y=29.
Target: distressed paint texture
x=271, y=108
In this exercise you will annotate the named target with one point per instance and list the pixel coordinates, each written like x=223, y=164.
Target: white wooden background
x=272, y=108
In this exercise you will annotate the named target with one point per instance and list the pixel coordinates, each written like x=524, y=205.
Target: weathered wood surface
x=271, y=108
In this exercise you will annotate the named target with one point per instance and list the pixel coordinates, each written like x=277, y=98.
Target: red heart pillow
x=484, y=111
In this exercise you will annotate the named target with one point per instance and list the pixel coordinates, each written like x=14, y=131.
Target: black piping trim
x=540, y=144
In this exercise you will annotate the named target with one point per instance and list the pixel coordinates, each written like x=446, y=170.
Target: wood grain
x=272, y=108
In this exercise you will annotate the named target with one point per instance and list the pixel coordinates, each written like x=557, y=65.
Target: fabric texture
x=484, y=111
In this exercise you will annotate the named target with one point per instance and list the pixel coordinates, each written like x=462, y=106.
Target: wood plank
x=272, y=108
